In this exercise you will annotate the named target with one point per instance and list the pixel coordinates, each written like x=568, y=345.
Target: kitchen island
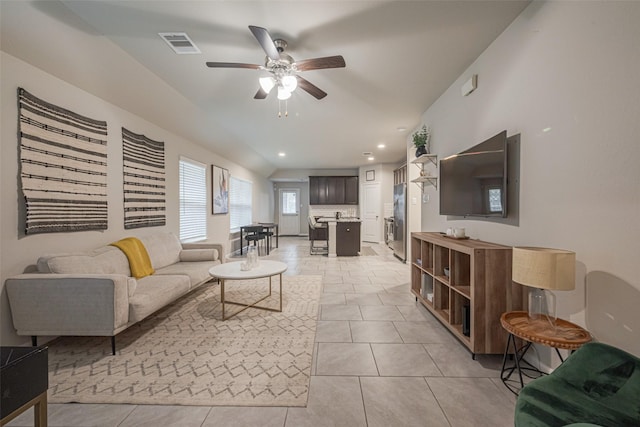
x=344, y=235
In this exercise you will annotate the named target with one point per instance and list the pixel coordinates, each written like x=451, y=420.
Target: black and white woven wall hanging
x=144, y=181
x=63, y=167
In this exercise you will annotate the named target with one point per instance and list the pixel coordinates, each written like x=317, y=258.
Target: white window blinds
x=239, y=203
x=193, y=200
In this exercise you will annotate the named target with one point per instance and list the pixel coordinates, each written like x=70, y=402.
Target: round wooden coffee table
x=232, y=271
x=558, y=335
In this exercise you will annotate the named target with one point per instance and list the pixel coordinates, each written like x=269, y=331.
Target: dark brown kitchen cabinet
x=351, y=190
x=347, y=238
x=317, y=190
x=333, y=190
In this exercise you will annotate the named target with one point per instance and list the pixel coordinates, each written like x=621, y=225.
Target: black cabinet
x=317, y=190
x=333, y=190
x=24, y=380
x=347, y=238
x=351, y=190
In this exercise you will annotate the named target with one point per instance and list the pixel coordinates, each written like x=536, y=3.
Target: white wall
x=564, y=76
x=18, y=251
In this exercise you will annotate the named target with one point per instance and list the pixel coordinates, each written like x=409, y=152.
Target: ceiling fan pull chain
x=286, y=108
x=279, y=108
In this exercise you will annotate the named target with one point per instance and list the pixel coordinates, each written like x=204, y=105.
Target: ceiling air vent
x=180, y=43
x=367, y=153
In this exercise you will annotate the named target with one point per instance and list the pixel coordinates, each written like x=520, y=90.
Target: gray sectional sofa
x=93, y=293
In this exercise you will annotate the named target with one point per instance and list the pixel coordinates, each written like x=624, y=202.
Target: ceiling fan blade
x=319, y=63
x=312, y=89
x=265, y=40
x=260, y=94
x=233, y=65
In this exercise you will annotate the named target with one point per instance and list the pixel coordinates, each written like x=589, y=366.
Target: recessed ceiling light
x=401, y=128
x=381, y=145
x=370, y=158
x=282, y=154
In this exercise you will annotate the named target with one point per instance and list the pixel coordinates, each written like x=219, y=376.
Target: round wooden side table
x=561, y=335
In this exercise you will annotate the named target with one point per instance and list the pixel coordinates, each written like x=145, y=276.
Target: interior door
x=289, y=207
x=371, y=218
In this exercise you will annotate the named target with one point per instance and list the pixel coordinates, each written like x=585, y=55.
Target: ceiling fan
x=283, y=69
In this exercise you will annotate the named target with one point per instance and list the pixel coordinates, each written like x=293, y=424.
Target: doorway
x=371, y=225
x=289, y=211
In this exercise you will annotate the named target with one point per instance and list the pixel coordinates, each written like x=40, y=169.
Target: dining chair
x=254, y=234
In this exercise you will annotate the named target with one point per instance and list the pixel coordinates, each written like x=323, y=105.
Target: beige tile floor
x=380, y=360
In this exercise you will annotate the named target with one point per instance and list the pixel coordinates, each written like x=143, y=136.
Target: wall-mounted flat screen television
x=474, y=182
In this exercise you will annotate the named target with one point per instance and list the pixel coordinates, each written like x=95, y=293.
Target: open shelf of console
x=466, y=285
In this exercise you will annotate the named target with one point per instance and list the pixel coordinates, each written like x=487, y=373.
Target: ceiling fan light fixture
x=282, y=68
x=267, y=83
x=283, y=93
x=290, y=83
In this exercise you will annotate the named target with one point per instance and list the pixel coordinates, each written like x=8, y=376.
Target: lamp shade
x=544, y=268
x=290, y=83
x=283, y=93
x=267, y=83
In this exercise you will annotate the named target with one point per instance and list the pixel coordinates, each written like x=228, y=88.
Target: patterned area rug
x=185, y=355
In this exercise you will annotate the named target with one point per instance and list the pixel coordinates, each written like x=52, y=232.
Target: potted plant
x=421, y=140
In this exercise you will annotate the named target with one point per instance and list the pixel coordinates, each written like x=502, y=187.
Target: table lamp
x=544, y=270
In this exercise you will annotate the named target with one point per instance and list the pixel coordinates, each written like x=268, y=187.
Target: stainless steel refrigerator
x=399, y=242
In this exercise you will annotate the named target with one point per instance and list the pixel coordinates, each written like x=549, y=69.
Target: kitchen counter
x=345, y=241
x=329, y=219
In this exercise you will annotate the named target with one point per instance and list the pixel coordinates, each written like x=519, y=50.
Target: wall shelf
x=428, y=179
x=425, y=158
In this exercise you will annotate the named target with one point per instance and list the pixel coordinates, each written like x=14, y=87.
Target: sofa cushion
x=163, y=249
x=198, y=272
x=104, y=260
x=132, y=284
x=193, y=255
x=154, y=292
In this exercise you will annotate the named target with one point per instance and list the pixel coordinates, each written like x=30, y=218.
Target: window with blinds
x=289, y=202
x=193, y=200
x=239, y=203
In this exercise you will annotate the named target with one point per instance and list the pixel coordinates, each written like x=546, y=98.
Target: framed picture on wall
x=370, y=175
x=220, y=188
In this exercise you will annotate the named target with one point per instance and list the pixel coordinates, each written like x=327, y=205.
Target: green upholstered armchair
x=596, y=385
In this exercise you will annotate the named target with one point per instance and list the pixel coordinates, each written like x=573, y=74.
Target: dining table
x=270, y=228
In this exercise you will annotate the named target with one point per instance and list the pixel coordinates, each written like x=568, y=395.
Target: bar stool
x=320, y=233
